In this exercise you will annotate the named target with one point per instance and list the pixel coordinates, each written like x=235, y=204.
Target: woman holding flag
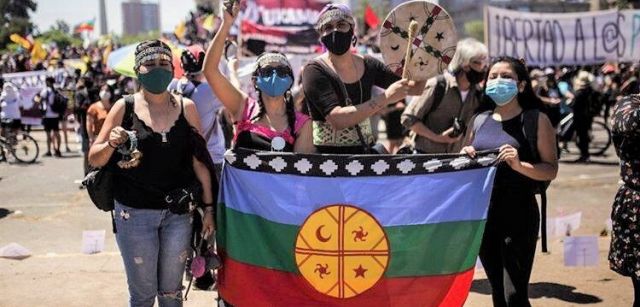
x=511, y=232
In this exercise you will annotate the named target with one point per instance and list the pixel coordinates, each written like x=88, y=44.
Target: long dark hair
x=527, y=98
x=288, y=101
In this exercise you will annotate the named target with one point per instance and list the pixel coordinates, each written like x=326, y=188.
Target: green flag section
x=254, y=240
x=332, y=230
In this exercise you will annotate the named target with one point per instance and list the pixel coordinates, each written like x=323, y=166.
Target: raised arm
x=231, y=97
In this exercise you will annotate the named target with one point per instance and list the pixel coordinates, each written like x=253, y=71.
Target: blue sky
x=76, y=11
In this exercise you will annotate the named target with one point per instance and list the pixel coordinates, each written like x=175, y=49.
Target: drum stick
x=413, y=29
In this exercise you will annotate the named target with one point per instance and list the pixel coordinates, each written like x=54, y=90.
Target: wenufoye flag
x=329, y=230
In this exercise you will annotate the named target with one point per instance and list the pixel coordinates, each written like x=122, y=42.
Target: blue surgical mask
x=274, y=85
x=501, y=91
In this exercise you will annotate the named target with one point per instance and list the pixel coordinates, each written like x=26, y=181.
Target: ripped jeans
x=154, y=245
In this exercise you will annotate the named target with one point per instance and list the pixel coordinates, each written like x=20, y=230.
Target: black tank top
x=165, y=166
x=491, y=135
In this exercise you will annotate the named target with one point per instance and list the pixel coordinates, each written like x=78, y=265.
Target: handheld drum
x=432, y=47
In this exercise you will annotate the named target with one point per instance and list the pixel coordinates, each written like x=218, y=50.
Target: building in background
x=140, y=17
x=103, y=18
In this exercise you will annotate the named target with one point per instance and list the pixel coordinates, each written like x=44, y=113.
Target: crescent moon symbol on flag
x=319, y=235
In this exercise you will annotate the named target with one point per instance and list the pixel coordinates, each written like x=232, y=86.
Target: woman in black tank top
x=509, y=241
x=153, y=240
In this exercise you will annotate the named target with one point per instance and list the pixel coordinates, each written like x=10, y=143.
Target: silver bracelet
x=133, y=143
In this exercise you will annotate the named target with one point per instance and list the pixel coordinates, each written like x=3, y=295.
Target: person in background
x=624, y=257
x=96, y=115
x=10, y=106
x=51, y=119
x=82, y=102
x=582, y=117
x=549, y=94
x=511, y=231
x=438, y=123
x=194, y=86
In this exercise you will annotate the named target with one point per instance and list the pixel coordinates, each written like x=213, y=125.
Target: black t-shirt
x=322, y=96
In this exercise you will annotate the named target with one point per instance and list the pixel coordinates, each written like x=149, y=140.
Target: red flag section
x=370, y=17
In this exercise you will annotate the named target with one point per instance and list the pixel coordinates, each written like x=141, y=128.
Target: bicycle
x=22, y=146
x=599, y=135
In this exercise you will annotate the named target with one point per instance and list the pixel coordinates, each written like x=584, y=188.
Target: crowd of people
x=477, y=104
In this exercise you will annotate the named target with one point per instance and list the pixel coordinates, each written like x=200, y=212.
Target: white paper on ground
x=566, y=225
x=479, y=264
x=93, y=241
x=581, y=251
x=14, y=251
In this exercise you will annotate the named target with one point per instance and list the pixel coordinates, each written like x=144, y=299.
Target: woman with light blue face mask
x=509, y=120
x=269, y=122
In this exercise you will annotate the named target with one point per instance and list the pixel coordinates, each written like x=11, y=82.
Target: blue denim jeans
x=154, y=245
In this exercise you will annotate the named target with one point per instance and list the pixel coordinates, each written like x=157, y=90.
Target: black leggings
x=508, y=246
x=636, y=291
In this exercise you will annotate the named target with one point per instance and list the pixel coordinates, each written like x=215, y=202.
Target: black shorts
x=51, y=124
x=11, y=124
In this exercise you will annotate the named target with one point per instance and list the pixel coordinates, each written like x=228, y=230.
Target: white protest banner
x=544, y=39
x=581, y=251
x=29, y=83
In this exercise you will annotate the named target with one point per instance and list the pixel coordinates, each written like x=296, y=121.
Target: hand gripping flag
x=329, y=230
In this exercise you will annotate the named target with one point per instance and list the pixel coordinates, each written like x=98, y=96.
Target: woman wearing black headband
x=155, y=135
x=271, y=122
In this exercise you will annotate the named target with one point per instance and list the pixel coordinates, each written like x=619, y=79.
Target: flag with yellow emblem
x=369, y=230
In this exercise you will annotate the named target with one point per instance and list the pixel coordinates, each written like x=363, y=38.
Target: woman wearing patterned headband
x=153, y=234
x=341, y=124
x=271, y=123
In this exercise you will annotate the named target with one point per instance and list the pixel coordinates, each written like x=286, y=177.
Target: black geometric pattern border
x=324, y=165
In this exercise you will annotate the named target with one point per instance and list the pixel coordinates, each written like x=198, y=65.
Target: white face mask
x=104, y=95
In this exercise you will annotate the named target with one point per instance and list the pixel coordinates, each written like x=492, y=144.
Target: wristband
x=114, y=147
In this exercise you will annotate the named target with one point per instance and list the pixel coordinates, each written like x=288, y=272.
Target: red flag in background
x=370, y=17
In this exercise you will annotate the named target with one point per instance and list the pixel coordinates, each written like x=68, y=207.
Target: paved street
x=47, y=214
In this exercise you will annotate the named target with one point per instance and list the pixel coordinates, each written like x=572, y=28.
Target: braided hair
x=288, y=101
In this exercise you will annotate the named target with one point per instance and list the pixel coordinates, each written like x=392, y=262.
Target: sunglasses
x=281, y=71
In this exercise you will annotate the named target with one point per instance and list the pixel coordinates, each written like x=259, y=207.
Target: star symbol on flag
x=440, y=36
x=360, y=271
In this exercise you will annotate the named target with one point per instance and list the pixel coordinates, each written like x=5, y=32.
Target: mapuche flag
x=323, y=230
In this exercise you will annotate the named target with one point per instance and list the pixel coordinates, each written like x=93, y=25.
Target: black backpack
x=59, y=102
x=530, y=130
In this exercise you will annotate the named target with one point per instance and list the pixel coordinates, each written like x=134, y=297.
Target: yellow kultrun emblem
x=342, y=251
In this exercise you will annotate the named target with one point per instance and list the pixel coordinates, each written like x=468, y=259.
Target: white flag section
x=581, y=251
x=564, y=38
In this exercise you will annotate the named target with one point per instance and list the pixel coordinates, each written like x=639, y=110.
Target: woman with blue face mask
x=269, y=123
x=508, y=119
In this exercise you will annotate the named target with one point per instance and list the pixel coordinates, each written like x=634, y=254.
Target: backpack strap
x=529, y=120
x=530, y=130
x=438, y=95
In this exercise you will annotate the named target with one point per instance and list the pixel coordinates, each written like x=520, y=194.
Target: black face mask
x=338, y=42
x=473, y=76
